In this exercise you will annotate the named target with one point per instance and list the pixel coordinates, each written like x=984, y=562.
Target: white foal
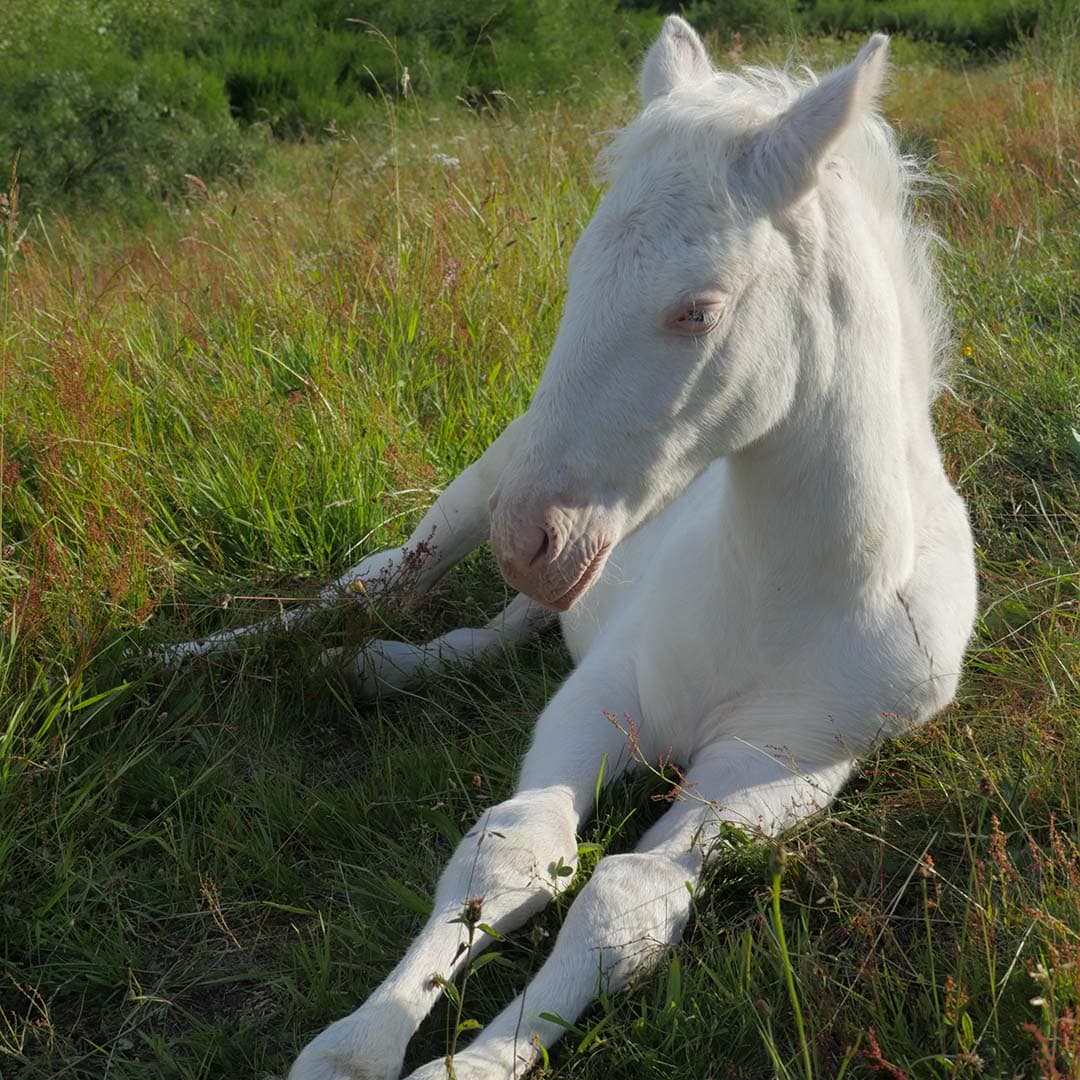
x=728, y=483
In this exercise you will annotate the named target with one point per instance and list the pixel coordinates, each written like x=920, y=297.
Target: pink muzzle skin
x=541, y=559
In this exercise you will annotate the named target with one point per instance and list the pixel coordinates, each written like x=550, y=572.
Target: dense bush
x=109, y=100
x=102, y=100
x=970, y=24
x=353, y=49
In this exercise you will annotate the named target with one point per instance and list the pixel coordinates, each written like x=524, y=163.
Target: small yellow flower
x=967, y=350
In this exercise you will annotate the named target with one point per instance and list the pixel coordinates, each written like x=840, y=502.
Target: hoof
x=379, y=670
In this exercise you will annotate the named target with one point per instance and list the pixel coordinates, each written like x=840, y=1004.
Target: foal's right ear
x=677, y=56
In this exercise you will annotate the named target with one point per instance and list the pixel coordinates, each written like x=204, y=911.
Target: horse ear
x=784, y=155
x=677, y=56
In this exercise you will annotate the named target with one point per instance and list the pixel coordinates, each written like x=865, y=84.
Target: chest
x=697, y=606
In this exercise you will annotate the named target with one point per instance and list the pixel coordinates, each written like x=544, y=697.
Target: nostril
x=540, y=554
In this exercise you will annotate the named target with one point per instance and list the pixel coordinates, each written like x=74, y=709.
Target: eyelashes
x=699, y=317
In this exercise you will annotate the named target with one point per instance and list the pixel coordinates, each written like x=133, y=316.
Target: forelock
x=698, y=127
x=699, y=122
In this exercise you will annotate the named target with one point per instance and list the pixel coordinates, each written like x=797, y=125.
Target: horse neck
x=831, y=492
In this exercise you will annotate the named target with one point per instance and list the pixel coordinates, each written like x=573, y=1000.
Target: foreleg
x=457, y=522
x=636, y=905
x=382, y=668
x=509, y=866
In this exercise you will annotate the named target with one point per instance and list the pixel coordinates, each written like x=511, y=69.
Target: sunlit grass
x=200, y=868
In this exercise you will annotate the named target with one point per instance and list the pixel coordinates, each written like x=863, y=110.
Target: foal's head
x=678, y=343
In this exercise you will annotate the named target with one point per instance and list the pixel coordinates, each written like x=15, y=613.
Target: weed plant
x=203, y=420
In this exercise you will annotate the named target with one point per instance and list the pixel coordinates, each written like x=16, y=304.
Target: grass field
x=204, y=420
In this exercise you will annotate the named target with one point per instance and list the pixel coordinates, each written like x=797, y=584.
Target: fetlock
x=368, y=1045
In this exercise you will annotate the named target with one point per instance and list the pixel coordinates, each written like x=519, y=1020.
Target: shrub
x=352, y=49
x=100, y=108
x=971, y=24
x=109, y=101
x=978, y=25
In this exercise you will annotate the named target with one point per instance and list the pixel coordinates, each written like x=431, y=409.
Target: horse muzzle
x=547, y=555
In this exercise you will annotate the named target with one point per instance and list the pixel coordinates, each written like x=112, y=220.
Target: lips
x=550, y=551
x=567, y=599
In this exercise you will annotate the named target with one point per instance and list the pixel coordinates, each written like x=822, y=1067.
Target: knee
x=534, y=829
x=632, y=908
x=525, y=843
x=636, y=880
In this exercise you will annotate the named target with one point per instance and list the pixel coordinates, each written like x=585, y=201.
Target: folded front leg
x=457, y=522
x=380, y=669
x=636, y=905
x=506, y=868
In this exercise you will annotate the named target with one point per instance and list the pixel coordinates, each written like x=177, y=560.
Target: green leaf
x=600, y=778
x=488, y=958
x=441, y=822
x=554, y=1018
x=1073, y=445
x=673, y=994
x=448, y=988
x=593, y=1034
x=403, y=893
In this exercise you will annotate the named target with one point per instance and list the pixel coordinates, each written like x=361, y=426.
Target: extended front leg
x=636, y=905
x=514, y=859
x=456, y=523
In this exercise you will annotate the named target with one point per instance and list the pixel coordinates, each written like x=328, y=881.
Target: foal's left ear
x=782, y=158
x=677, y=56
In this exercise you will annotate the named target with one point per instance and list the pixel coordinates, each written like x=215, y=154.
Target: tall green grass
x=205, y=419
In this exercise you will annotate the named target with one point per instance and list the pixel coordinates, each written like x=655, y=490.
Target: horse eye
x=696, y=319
